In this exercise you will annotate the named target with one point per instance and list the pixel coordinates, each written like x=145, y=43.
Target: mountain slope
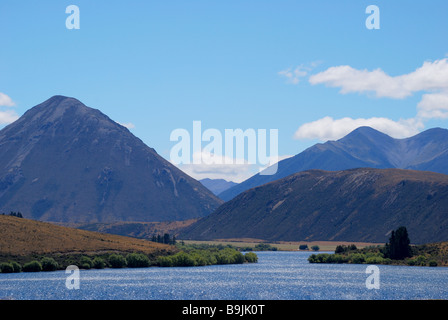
x=21, y=237
x=364, y=147
x=63, y=161
x=217, y=186
x=353, y=205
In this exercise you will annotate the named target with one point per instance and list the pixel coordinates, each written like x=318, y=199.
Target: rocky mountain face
x=65, y=162
x=364, y=147
x=351, y=205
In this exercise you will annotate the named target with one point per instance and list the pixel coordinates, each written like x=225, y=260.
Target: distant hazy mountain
x=353, y=205
x=217, y=185
x=364, y=147
x=63, y=161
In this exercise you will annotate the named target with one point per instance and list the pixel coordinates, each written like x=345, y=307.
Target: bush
x=418, y=261
x=315, y=248
x=336, y=258
x=183, y=259
x=432, y=263
x=357, y=258
x=375, y=260
x=137, y=260
x=117, y=261
x=264, y=247
x=86, y=262
x=49, y=264
x=33, y=266
x=98, y=263
x=6, y=267
x=343, y=249
x=164, y=261
x=303, y=247
x=251, y=257
x=17, y=267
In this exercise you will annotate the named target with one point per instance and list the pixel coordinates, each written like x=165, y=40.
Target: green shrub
x=357, y=258
x=164, y=261
x=6, y=267
x=137, y=260
x=117, y=261
x=432, y=263
x=49, y=264
x=98, y=263
x=418, y=261
x=375, y=260
x=336, y=258
x=16, y=266
x=33, y=266
x=251, y=257
x=315, y=248
x=86, y=262
x=183, y=259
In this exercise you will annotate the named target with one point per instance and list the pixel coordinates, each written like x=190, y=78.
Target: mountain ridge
x=363, y=147
x=362, y=205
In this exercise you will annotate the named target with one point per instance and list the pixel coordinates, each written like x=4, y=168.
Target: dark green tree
x=399, y=244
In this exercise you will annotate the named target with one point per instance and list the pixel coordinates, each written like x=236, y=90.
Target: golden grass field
x=21, y=237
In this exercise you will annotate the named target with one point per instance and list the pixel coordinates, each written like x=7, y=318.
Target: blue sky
x=296, y=66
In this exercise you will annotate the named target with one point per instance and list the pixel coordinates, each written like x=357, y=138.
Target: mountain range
x=364, y=147
x=65, y=162
x=217, y=186
x=362, y=204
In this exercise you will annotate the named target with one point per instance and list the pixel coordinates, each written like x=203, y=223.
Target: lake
x=277, y=276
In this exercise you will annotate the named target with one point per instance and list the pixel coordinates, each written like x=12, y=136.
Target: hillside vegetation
x=23, y=240
x=28, y=245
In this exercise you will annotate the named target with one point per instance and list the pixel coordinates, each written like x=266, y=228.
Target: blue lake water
x=276, y=276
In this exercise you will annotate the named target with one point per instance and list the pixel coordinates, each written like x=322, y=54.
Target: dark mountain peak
x=64, y=161
x=366, y=133
x=58, y=104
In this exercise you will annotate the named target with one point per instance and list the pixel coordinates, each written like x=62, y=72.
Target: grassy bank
x=186, y=256
x=28, y=245
x=431, y=255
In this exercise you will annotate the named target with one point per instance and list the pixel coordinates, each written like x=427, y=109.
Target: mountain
x=65, y=162
x=362, y=205
x=217, y=186
x=363, y=147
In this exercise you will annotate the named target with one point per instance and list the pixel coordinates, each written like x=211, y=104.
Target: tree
x=398, y=247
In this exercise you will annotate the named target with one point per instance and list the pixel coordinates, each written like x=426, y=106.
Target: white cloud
x=333, y=129
x=207, y=165
x=429, y=77
x=6, y=101
x=128, y=125
x=293, y=76
x=433, y=105
x=7, y=117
